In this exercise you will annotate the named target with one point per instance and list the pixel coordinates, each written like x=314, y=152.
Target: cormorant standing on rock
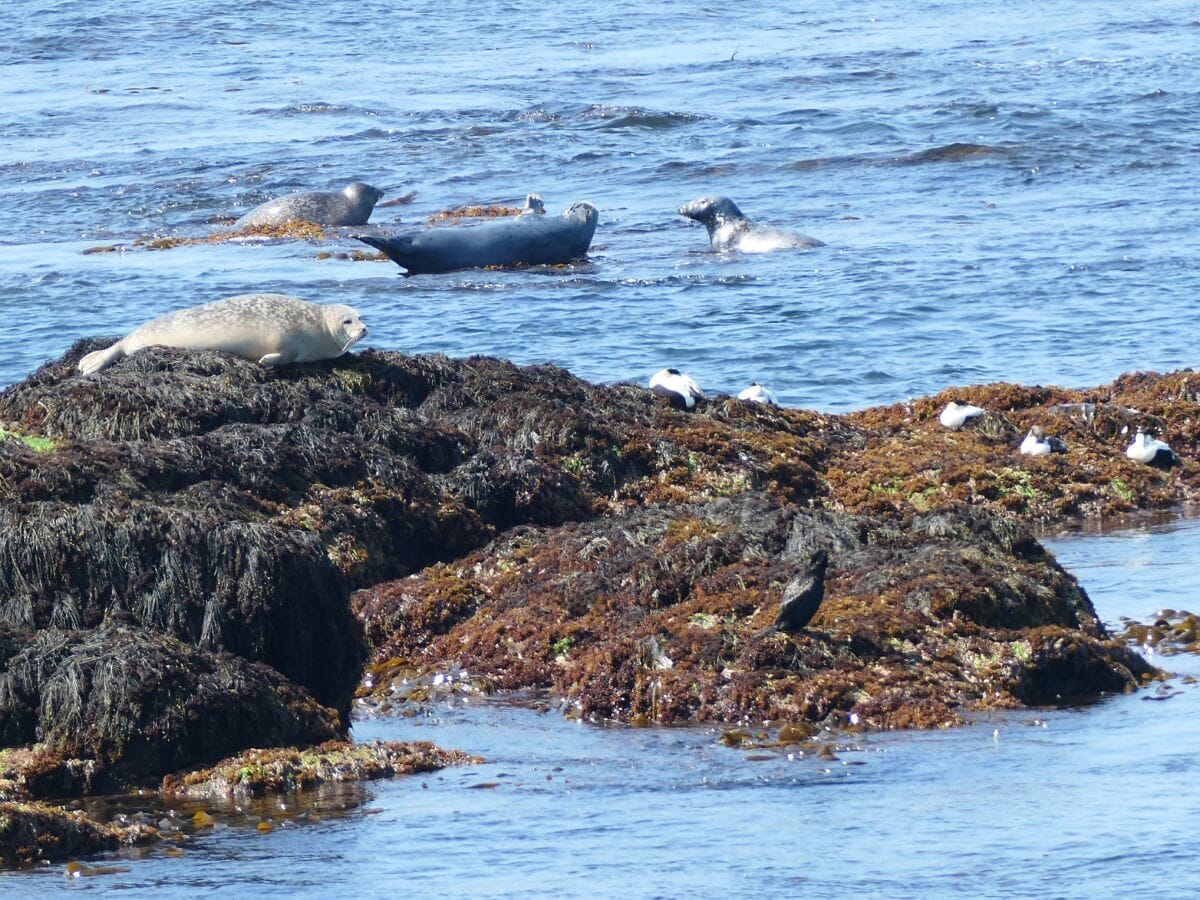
x=802, y=597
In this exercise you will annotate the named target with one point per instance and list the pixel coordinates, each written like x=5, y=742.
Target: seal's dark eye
x=347, y=321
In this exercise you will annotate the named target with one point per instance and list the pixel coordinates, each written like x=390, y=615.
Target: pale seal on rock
x=729, y=229
x=533, y=240
x=351, y=206
x=273, y=329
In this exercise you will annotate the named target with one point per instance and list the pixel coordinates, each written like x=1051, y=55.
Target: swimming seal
x=352, y=205
x=533, y=240
x=274, y=329
x=729, y=229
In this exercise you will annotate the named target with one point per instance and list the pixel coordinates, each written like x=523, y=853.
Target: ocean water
x=1056, y=243
x=1006, y=191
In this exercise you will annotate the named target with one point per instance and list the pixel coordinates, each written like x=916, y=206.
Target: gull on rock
x=1037, y=444
x=756, y=393
x=680, y=389
x=1151, y=451
x=956, y=414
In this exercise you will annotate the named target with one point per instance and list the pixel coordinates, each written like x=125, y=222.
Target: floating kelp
x=294, y=230
x=1169, y=631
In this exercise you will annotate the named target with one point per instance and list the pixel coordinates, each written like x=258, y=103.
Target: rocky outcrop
x=658, y=615
x=181, y=535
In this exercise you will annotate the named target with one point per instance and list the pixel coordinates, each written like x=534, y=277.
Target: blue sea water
x=1006, y=191
x=1063, y=250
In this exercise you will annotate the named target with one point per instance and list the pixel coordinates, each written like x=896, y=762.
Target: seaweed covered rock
x=659, y=614
x=35, y=832
x=904, y=459
x=259, y=772
x=231, y=507
x=136, y=701
x=539, y=530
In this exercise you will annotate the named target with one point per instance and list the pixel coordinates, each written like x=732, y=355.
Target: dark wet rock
x=136, y=701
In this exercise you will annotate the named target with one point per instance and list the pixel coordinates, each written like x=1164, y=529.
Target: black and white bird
x=801, y=597
x=757, y=393
x=680, y=389
x=1036, y=443
x=1151, y=451
x=956, y=414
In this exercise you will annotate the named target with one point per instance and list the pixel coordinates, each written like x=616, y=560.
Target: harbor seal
x=351, y=206
x=729, y=229
x=274, y=329
x=533, y=240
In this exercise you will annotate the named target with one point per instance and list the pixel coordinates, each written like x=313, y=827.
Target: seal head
x=729, y=229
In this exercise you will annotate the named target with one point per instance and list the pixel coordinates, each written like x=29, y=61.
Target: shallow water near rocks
x=1007, y=193
x=1094, y=801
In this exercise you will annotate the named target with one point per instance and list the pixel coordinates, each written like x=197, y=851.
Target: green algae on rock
x=259, y=772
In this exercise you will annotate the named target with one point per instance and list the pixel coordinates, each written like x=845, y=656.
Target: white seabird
x=756, y=393
x=955, y=414
x=1151, y=451
x=1037, y=444
x=676, y=387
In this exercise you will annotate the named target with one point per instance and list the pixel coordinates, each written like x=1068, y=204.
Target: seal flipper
x=101, y=359
x=394, y=248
